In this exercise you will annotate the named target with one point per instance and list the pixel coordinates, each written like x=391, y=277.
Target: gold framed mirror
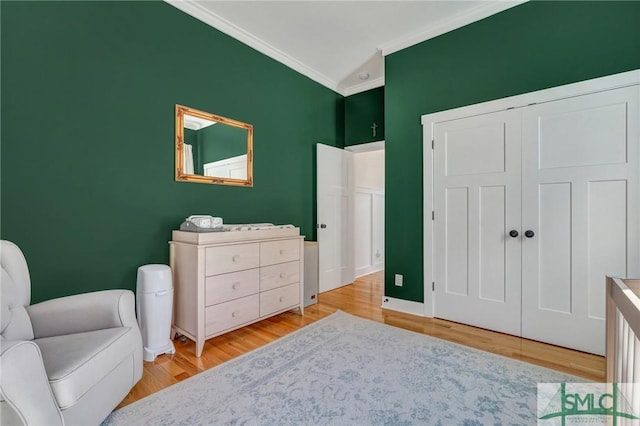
x=213, y=149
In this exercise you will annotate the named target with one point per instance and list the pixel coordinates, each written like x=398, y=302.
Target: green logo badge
x=587, y=403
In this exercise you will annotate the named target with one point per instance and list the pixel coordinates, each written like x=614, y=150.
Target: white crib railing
x=623, y=344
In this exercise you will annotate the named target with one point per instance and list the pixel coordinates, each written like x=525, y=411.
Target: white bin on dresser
x=226, y=280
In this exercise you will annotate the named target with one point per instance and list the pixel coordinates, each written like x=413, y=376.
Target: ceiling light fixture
x=363, y=76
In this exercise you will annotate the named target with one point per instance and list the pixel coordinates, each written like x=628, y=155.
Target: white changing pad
x=246, y=232
x=254, y=226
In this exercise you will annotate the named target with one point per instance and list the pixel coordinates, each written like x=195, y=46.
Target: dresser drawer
x=278, y=275
x=225, y=287
x=223, y=259
x=279, y=298
x=231, y=314
x=273, y=252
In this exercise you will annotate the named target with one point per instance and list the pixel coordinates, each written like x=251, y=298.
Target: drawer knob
x=283, y=275
x=281, y=299
x=233, y=314
x=235, y=286
x=235, y=258
x=281, y=251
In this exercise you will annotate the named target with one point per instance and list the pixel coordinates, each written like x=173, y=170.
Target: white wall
x=369, y=211
x=369, y=169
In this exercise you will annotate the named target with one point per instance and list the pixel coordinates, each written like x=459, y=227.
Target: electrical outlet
x=398, y=280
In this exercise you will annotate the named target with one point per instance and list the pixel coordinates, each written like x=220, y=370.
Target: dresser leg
x=199, y=347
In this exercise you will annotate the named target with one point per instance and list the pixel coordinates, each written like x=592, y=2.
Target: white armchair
x=66, y=361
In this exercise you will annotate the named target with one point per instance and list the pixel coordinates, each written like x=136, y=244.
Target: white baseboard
x=406, y=306
x=369, y=270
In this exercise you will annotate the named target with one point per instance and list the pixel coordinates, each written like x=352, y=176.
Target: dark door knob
x=322, y=225
x=513, y=233
x=529, y=233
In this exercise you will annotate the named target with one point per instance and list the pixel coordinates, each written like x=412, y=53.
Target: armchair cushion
x=77, y=362
x=83, y=312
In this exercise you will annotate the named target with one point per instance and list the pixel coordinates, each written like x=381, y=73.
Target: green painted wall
x=530, y=47
x=87, y=168
x=361, y=111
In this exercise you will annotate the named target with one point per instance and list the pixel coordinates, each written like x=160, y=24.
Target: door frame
x=429, y=122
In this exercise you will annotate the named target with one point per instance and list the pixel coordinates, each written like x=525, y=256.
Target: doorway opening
x=368, y=207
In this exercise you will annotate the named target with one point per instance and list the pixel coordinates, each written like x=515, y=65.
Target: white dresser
x=226, y=280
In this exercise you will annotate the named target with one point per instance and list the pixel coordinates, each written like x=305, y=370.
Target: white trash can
x=154, y=304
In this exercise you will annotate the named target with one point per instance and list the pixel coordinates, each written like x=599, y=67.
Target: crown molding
x=363, y=87
x=197, y=11
x=459, y=20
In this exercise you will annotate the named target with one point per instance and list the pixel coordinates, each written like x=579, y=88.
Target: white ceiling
x=332, y=42
x=196, y=123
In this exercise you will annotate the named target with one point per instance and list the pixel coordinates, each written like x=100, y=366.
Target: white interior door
x=476, y=205
x=580, y=202
x=335, y=217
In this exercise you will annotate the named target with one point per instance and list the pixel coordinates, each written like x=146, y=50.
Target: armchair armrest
x=83, y=312
x=25, y=394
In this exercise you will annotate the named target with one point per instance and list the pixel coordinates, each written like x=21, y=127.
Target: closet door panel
x=607, y=238
x=477, y=149
x=554, y=247
x=492, y=284
x=564, y=134
x=579, y=196
x=476, y=204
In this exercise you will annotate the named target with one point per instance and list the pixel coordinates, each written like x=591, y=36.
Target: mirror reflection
x=212, y=148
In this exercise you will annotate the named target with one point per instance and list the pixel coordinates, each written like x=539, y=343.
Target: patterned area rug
x=344, y=370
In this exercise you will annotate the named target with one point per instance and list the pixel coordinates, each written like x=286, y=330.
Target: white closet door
x=477, y=203
x=580, y=199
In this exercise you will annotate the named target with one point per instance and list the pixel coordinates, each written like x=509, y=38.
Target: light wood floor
x=363, y=298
